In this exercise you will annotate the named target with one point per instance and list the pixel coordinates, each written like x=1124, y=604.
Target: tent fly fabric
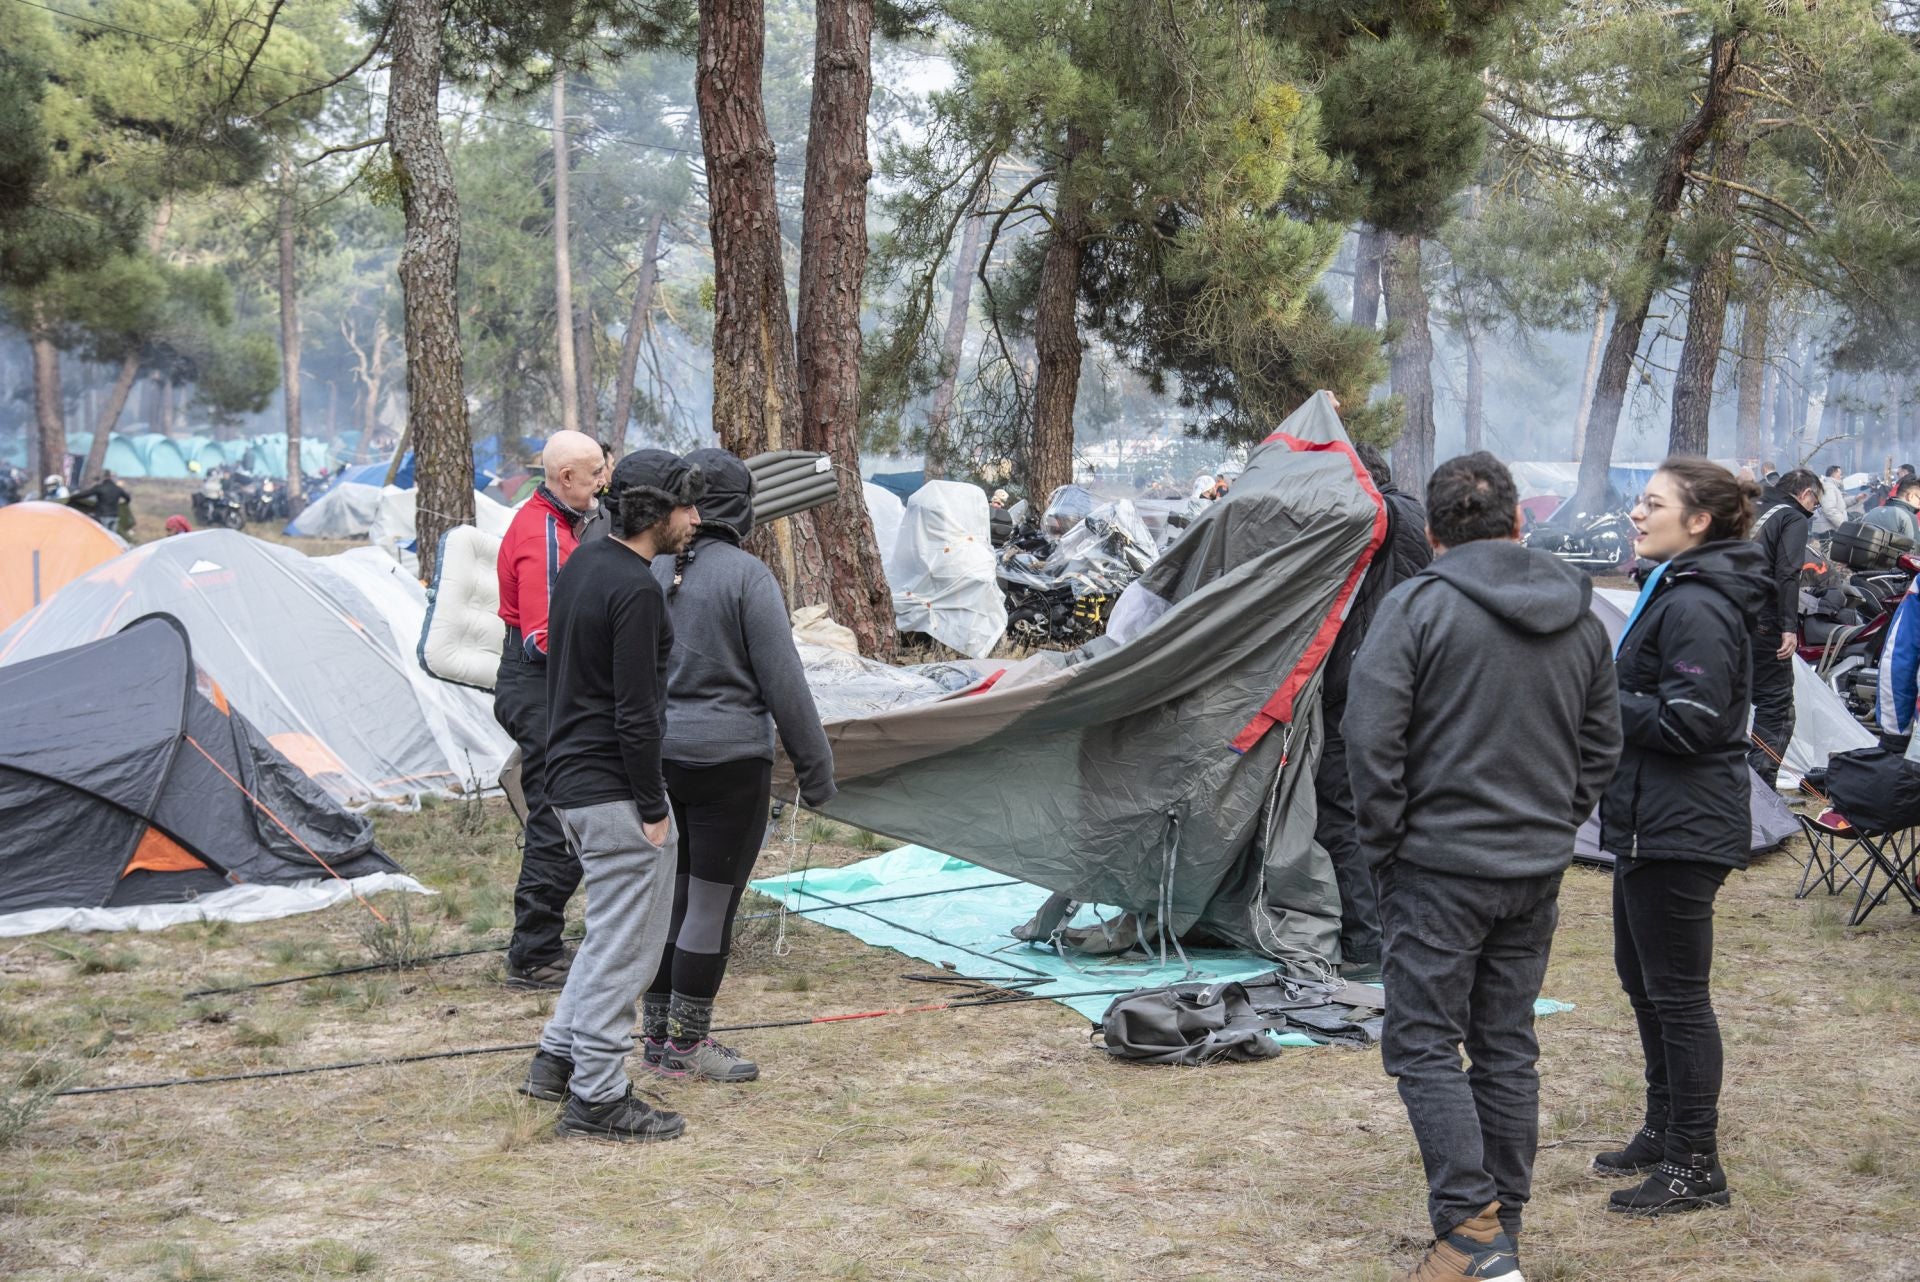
x=1171, y=776
x=43, y=547
x=134, y=794
x=316, y=664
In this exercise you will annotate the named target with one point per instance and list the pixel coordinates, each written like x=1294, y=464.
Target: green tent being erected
x=1170, y=776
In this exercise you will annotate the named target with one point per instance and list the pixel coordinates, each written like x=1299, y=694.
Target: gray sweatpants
x=629, y=883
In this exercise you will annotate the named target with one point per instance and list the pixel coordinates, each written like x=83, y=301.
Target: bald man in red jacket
x=543, y=535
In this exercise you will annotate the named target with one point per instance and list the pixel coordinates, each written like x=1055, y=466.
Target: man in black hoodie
x=1482, y=723
x=1786, y=518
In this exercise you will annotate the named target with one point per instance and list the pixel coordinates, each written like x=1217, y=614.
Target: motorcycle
x=1843, y=634
x=1063, y=593
x=213, y=505
x=1593, y=544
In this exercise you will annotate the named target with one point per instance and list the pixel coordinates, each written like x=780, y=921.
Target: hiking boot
x=1694, y=1185
x=1642, y=1153
x=653, y=1051
x=547, y=1077
x=545, y=975
x=1477, y=1251
x=706, y=1059
x=625, y=1119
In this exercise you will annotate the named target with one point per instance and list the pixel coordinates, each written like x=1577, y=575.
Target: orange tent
x=44, y=547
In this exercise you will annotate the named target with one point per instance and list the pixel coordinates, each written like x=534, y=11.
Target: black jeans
x=1772, y=706
x=1663, y=950
x=721, y=812
x=1337, y=831
x=549, y=872
x=1464, y=961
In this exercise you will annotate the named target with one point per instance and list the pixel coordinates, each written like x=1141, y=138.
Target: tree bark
x=756, y=388
x=563, y=260
x=49, y=411
x=1411, y=361
x=1710, y=285
x=637, y=323
x=1623, y=343
x=429, y=272
x=1056, y=335
x=966, y=264
x=846, y=571
x=109, y=415
x=583, y=360
x=1755, y=322
x=1592, y=371
x=1369, y=251
x=289, y=330
x=166, y=405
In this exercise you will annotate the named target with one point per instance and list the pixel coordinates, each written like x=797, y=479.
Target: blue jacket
x=1893, y=704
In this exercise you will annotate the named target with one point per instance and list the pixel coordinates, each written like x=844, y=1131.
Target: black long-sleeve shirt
x=608, y=639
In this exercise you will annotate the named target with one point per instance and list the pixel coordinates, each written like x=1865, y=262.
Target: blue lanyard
x=1639, y=604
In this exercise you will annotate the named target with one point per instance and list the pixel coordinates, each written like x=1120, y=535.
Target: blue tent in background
x=902, y=484
x=123, y=457
x=161, y=456
x=486, y=465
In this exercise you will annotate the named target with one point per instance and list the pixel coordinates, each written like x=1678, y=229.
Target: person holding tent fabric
x=1467, y=815
x=607, y=690
x=544, y=533
x=1675, y=818
x=735, y=676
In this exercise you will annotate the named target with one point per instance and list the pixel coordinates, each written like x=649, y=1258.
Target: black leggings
x=721, y=812
x=1663, y=950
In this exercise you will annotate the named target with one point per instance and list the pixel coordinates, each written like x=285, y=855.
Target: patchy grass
x=989, y=1145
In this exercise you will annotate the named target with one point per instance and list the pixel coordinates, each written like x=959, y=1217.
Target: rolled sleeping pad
x=789, y=481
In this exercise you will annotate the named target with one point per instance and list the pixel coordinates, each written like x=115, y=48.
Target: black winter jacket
x=1781, y=533
x=1404, y=554
x=1683, y=790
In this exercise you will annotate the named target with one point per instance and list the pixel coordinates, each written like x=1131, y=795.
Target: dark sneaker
x=1477, y=1251
x=546, y=975
x=707, y=1059
x=653, y=1052
x=1694, y=1185
x=625, y=1120
x=547, y=1077
x=1642, y=1153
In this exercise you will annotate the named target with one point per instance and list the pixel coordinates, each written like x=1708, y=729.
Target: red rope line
x=262, y=807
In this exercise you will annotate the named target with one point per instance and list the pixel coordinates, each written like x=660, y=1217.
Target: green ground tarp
x=967, y=922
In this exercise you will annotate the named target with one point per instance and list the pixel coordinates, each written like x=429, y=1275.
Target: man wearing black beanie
x=608, y=644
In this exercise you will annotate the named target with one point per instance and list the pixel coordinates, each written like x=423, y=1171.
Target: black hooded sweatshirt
x=1686, y=671
x=1482, y=720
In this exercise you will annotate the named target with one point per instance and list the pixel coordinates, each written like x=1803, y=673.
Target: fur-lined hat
x=647, y=486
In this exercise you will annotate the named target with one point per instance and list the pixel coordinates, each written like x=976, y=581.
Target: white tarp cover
x=346, y=511
x=460, y=718
x=312, y=660
x=392, y=530
x=887, y=511
x=942, y=570
x=236, y=903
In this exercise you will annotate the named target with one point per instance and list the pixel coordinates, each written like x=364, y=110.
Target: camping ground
x=988, y=1144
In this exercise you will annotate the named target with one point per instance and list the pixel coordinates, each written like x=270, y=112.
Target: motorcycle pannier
x=1860, y=546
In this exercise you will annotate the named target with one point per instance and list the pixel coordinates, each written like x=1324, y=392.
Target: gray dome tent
x=127, y=779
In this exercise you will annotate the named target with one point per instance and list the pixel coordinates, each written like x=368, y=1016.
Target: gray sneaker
x=551, y=975
x=626, y=1120
x=707, y=1059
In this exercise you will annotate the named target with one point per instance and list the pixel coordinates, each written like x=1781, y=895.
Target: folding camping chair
x=1842, y=856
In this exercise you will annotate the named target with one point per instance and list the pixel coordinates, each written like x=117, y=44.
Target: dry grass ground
x=155, y=500
x=993, y=1144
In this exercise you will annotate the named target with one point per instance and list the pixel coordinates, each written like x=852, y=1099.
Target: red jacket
x=543, y=535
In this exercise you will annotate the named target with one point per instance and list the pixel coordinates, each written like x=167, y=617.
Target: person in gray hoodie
x=734, y=676
x=1482, y=723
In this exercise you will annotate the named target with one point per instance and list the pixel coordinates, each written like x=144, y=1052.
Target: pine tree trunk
x=583, y=360
x=1623, y=343
x=1369, y=251
x=1475, y=410
x=1411, y=363
x=109, y=416
x=429, y=273
x=289, y=331
x=636, y=332
x=844, y=570
x=756, y=389
x=1591, y=373
x=49, y=410
x=166, y=406
x=966, y=266
x=1755, y=320
x=1056, y=336
x=563, y=260
x=1707, y=292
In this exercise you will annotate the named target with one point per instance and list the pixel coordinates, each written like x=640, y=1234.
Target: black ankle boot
x=1692, y=1185
x=1642, y=1153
